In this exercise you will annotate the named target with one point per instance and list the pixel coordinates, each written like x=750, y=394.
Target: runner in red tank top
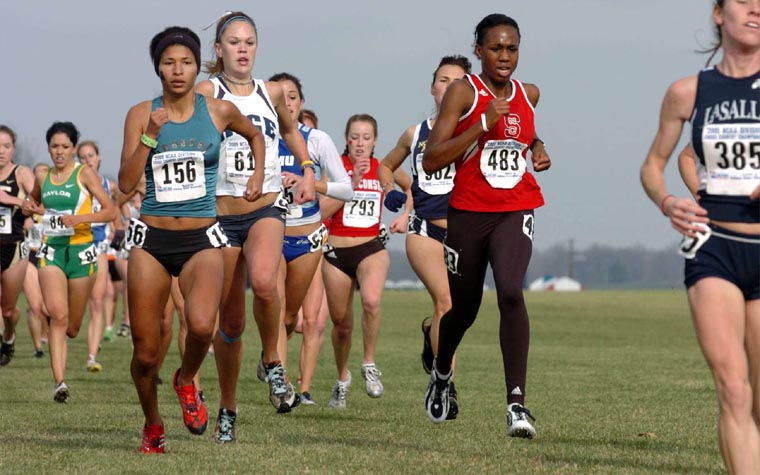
x=486, y=126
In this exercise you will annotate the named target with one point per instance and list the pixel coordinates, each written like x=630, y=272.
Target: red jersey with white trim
x=492, y=173
x=360, y=217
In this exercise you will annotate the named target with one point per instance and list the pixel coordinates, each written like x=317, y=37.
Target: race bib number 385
x=732, y=158
x=502, y=163
x=179, y=176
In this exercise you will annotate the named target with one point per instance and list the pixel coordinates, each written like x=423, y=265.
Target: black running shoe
x=453, y=403
x=437, y=397
x=7, y=350
x=427, y=346
x=224, y=431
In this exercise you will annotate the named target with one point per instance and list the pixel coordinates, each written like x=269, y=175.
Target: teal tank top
x=181, y=171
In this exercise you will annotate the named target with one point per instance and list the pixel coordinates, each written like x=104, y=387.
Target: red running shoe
x=194, y=412
x=153, y=439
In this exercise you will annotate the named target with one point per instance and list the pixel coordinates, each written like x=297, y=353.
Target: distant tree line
x=596, y=267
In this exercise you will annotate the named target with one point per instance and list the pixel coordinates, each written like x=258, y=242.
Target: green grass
x=615, y=379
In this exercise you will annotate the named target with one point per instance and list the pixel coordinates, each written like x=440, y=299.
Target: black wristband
x=532, y=145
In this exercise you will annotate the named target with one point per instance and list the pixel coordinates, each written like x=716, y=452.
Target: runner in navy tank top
x=174, y=139
x=721, y=231
x=426, y=228
x=486, y=127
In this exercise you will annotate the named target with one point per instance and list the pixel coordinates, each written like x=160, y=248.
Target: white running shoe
x=517, y=422
x=371, y=376
x=437, y=397
x=61, y=393
x=339, y=394
x=277, y=388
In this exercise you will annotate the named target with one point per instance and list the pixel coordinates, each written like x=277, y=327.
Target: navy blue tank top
x=430, y=192
x=726, y=140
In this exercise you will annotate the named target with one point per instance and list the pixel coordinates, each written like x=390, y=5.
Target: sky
x=602, y=67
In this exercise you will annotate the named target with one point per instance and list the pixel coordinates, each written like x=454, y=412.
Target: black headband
x=177, y=39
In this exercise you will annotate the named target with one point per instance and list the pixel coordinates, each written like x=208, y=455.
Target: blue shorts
x=294, y=247
x=236, y=226
x=730, y=256
x=172, y=249
x=424, y=228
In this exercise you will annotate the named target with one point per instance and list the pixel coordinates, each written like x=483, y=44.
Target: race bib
x=179, y=176
x=52, y=223
x=317, y=239
x=5, y=220
x=239, y=163
x=437, y=183
x=451, y=259
x=136, y=234
x=690, y=245
x=732, y=158
x=363, y=211
x=46, y=252
x=34, y=236
x=295, y=211
x=216, y=236
x=104, y=246
x=89, y=255
x=502, y=163
x=384, y=235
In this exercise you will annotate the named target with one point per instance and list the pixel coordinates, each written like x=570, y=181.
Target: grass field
x=615, y=380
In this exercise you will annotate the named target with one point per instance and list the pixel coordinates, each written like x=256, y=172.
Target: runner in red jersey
x=355, y=255
x=486, y=126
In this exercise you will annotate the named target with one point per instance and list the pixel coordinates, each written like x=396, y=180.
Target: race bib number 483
x=502, y=163
x=179, y=176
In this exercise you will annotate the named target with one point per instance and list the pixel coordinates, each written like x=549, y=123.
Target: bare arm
x=134, y=154
x=676, y=109
x=687, y=167
x=294, y=140
x=395, y=158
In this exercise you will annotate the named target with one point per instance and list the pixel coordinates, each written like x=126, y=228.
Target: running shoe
x=124, y=331
x=39, y=353
x=224, y=431
x=437, y=397
x=153, y=439
x=517, y=422
x=93, y=366
x=61, y=393
x=194, y=413
x=278, y=390
x=108, y=334
x=453, y=403
x=292, y=397
x=261, y=371
x=306, y=399
x=7, y=350
x=339, y=394
x=371, y=376
x=427, y=345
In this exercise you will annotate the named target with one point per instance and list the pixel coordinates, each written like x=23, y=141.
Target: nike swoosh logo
x=68, y=186
x=10, y=182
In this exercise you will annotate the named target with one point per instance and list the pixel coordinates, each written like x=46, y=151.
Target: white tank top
x=235, y=158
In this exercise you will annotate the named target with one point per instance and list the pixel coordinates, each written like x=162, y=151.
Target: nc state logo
x=511, y=125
